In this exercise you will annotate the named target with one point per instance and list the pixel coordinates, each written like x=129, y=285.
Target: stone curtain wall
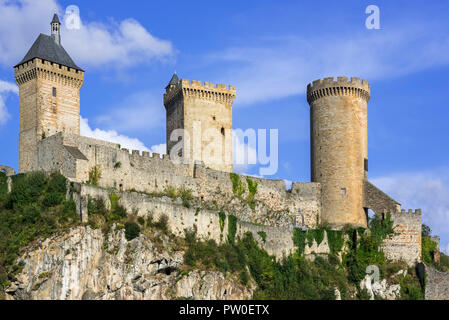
x=406, y=245
x=278, y=242
x=377, y=200
x=271, y=204
x=437, y=284
x=272, y=198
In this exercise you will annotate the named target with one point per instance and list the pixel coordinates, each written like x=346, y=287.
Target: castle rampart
x=406, y=243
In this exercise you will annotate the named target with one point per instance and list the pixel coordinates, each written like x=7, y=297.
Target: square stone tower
x=204, y=111
x=49, y=94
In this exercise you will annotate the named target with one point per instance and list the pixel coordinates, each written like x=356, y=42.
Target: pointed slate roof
x=174, y=80
x=55, y=19
x=46, y=48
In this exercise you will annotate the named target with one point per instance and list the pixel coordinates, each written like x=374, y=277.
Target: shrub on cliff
x=132, y=230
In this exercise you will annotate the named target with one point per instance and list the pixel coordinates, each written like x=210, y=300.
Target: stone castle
x=339, y=193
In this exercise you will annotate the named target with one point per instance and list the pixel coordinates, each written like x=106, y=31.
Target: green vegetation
x=232, y=228
x=132, y=230
x=222, y=219
x=117, y=165
x=94, y=176
x=300, y=238
x=292, y=278
x=162, y=224
x=173, y=193
x=35, y=208
x=3, y=184
x=410, y=286
x=237, y=185
x=141, y=221
x=429, y=249
x=336, y=240
x=263, y=236
x=315, y=234
x=364, y=250
x=101, y=218
x=252, y=187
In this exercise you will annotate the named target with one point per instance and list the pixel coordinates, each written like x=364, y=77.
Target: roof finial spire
x=56, y=28
x=174, y=80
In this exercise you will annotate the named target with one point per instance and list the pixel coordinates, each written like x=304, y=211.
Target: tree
x=426, y=231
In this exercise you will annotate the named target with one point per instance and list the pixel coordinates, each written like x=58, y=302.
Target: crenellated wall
x=406, y=243
x=272, y=204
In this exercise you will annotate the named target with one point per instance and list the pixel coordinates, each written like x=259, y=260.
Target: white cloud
x=160, y=148
x=445, y=250
x=428, y=190
x=283, y=66
x=117, y=44
x=5, y=89
x=112, y=136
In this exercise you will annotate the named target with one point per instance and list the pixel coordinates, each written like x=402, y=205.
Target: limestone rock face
x=83, y=264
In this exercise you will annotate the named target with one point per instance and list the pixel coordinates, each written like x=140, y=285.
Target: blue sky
x=269, y=50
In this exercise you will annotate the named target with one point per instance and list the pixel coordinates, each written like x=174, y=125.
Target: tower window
x=222, y=131
x=54, y=107
x=54, y=92
x=214, y=118
x=343, y=191
x=365, y=164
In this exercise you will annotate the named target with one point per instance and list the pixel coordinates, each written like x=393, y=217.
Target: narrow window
x=222, y=131
x=54, y=108
x=365, y=164
x=54, y=92
x=343, y=191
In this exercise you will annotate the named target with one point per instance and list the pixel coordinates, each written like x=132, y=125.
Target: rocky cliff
x=86, y=264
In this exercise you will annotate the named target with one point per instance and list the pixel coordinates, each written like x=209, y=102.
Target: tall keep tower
x=204, y=111
x=339, y=149
x=49, y=94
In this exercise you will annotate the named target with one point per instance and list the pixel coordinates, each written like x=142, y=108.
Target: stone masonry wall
x=437, y=284
x=278, y=242
x=377, y=200
x=406, y=245
x=272, y=203
x=43, y=114
x=338, y=125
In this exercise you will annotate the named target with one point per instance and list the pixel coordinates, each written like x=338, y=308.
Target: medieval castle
x=339, y=194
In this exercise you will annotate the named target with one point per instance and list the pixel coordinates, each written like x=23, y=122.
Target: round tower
x=339, y=149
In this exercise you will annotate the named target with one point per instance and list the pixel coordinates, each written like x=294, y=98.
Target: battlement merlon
x=43, y=68
x=340, y=87
x=206, y=90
